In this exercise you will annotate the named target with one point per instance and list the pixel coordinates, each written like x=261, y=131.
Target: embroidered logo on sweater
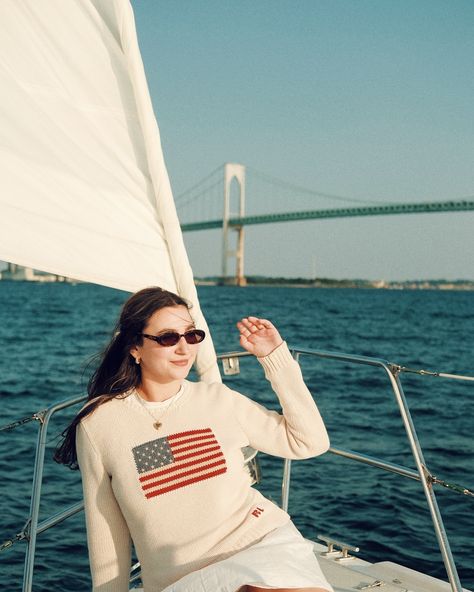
x=178, y=460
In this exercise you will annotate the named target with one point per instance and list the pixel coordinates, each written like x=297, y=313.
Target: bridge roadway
x=379, y=210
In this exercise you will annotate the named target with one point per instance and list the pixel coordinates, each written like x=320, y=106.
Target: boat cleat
x=341, y=553
x=230, y=366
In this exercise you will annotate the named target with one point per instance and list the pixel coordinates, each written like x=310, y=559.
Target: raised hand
x=258, y=336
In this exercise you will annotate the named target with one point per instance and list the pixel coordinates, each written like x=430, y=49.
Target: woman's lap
x=259, y=589
x=283, y=559
x=264, y=588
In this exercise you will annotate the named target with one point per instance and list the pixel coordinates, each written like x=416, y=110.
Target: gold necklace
x=156, y=421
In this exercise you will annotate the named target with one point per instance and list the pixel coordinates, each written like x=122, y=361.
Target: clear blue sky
x=368, y=99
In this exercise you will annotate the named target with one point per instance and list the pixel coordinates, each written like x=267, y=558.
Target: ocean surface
x=50, y=331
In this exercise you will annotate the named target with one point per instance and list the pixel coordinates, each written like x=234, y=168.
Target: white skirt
x=282, y=559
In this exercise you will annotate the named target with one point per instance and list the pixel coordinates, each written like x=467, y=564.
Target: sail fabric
x=84, y=191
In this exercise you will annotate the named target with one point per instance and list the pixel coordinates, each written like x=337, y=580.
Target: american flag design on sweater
x=178, y=460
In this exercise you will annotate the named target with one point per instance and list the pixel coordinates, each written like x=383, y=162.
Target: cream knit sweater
x=182, y=494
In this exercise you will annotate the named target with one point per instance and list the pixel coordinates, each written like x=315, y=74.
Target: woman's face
x=166, y=364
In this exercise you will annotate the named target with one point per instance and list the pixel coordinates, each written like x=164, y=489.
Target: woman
x=162, y=466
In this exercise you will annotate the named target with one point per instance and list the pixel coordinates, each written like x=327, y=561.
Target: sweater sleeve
x=108, y=536
x=297, y=433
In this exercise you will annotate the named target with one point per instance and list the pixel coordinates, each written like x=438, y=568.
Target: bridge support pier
x=233, y=171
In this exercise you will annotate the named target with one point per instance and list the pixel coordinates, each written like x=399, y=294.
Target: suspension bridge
x=219, y=201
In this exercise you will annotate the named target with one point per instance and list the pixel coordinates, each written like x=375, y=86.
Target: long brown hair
x=117, y=372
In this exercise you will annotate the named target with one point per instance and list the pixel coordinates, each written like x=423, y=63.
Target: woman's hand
x=258, y=336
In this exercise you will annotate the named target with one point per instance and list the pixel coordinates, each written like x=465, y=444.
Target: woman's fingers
x=249, y=323
x=246, y=327
x=245, y=341
x=243, y=328
x=253, y=324
x=262, y=323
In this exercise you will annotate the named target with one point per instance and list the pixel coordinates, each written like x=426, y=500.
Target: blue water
x=49, y=332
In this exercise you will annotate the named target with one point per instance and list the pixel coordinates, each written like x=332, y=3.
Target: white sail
x=84, y=188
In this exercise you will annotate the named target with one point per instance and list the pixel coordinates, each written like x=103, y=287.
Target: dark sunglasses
x=192, y=337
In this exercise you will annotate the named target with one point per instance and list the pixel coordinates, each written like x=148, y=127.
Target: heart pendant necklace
x=157, y=421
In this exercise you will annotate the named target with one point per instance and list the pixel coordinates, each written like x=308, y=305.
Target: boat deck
x=353, y=574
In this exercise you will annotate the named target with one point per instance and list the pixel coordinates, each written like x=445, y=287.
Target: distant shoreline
x=280, y=282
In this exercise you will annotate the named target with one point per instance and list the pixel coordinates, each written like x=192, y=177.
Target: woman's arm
x=298, y=433
x=108, y=537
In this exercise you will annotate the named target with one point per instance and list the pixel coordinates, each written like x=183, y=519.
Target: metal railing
x=421, y=474
x=230, y=363
x=32, y=527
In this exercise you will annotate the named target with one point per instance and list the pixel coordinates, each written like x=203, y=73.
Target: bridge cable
x=312, y=192
x=182, y=194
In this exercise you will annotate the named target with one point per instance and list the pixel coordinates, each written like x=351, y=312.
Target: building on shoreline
x=18, y=273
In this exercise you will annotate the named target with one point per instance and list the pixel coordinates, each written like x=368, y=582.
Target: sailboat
x=86, y=195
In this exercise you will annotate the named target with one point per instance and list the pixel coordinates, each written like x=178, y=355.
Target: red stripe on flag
x=184, y=483
x=183, y=474
x=179, y=450
x=180, y=466
x=191, y=454
x=195, y=439
x=190, y=433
